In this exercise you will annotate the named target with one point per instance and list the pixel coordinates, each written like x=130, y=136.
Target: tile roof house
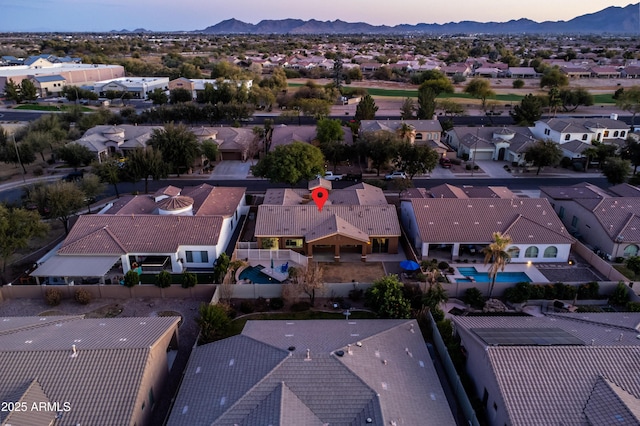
x=537, y=233
x=586, y=130
x=571, y=369
x=315, y=372
x=424, y=132
x=71, y=371
x=138, y=87
x=605, y=220
x=188, y=230
x=285, y=135
x=491, y=143
x=354, y=219
x=106, y=140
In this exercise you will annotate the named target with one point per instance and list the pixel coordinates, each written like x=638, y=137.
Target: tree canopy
x=528, y=112
x=386, y=298
x=616, y=170
x=543, y=153
x=497, y=255
x=480, y=88
x=366, y=109
x=178, y=145
x=629, y=100
x=415, y=159
x=290, y=163
x=17, y=227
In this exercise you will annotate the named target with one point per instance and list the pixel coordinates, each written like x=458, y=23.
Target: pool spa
x=255, y=275
x=471, y=274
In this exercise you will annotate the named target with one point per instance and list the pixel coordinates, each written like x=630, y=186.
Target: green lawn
x=35, y=107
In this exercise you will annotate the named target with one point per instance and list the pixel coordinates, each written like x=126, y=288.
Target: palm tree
x=407, y=132
x=497, y=254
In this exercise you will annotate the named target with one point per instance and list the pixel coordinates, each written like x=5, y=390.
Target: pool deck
x=532, y=272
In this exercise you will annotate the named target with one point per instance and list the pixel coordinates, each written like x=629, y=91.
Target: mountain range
x=612, y=20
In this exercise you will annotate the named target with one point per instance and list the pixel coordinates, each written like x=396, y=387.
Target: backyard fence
x=266, y=256
x=599, y=264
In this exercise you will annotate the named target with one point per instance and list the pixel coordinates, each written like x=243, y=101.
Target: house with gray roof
x=174, y=229
x=107, y=140
x=537, y=234
x=605, y=220
x=356, y=219
x=72, y=371
x=491, y=143
x=315, y=372
x=423, y=132
x=570, y=369
x=48, y=85
x=137, y=87
x=599, y=129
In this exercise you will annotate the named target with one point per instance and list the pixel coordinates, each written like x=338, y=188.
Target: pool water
x=483, y=277
x=254, y=274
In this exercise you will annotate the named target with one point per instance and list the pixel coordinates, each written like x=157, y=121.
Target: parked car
x=445, y=163
x=353, y=177
x=396, y=175
x=332, y=176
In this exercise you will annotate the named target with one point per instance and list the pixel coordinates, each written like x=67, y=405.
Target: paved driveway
x=231, y=170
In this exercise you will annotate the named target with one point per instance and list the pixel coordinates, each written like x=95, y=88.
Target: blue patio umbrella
x=409, y=265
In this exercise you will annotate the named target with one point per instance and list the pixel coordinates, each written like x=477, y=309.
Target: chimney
x=73, y=349
x=308, y=357
x=349, y=349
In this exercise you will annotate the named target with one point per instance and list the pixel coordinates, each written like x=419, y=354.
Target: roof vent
x=340, y=353
x=308, y=357
x=75, y=352
x=359, y=344
x=291, y=348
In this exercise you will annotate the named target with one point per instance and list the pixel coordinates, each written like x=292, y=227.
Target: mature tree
x=335, y=153
x=601, y=151
x=406, y=132
x=222, y=265
x=386, y=298
x=75, y=155
x=416, y=159
x=290, y=163
x=450, y=108
x=159, y=96
x=63, y=200
x=436, y=81
x=178, y=145
x=39, y=141
x=17, y=153
x=317, y=108
x=262, y=97
x=631, y=152
x=28, y=90
x=12, y=91
x=213, y=321
x=308, y=280
x=180, y=95
x=497, y=254
x=616, y=170
x=17, y=227
x=328, y=130
x=629, y=100
x=366, y=109
x=91, y=187
x=408, y=109
x=337, y=72
x=553, y=77
x=543, y=153
x=480, y=88
x=210, y=150
x=380, y=147
x=528, y=112
x=145, y=163
x=426, y=103
x=572, y=99
x=110, y=172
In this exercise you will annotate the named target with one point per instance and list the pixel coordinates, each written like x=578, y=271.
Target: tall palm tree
x=407, y=132
x=497, y=254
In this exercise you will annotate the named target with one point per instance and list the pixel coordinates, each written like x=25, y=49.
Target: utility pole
x=19, y=160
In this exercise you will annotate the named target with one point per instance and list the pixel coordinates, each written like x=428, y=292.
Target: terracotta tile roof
x=179, y=202
x=625, y=190
x=335, y=225
x=170, y=190
x=610, y=404
x=619, y=217
x=393, y=125
x=319, y=183
x=101, y=234
x=133, y=204
x=474, y=220
x=358, y=194
x=297, y=221
x=215, y=201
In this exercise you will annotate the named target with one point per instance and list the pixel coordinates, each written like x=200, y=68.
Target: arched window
x=514, y=252
x=567, y=137
x=531, y=251
x=551, y=251
x=615, y=134
x=584, y=137
x=418, y=136
x=631, y=250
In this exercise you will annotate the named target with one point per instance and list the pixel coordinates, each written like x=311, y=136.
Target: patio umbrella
x=409, y=265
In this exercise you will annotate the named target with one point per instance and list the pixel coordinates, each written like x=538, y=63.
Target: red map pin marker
x=320, y=196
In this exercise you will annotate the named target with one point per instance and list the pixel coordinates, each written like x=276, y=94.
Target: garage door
x=484, y=155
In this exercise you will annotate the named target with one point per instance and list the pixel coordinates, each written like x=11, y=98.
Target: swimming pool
x=254, y=274
x=483, y=277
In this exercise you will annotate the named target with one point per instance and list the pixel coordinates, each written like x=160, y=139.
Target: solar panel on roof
x=538, y=336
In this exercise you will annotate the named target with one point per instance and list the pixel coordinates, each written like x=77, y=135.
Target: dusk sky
x=169, y=15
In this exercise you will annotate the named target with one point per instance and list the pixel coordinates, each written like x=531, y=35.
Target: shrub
x=566, y=162
x=518, y=83
x=550, y=292
x=131, y=279
x=537, y=292
x=52, y=296
x=246, y=307
x=82, y=296
x=633, y=263
x=163, y=279
x=356, y=294
x=38, y=171
x=633, y=306
x=437, y=314
x=474, y=298
x=261, y=305
x=569, y=292
x=468, y=167
x=189, y=279
x=276, y=303
x=620, y=295
x=300, y=307
x=519, y=293
x=443, y=265
x=589, y=290
x=456, y=161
